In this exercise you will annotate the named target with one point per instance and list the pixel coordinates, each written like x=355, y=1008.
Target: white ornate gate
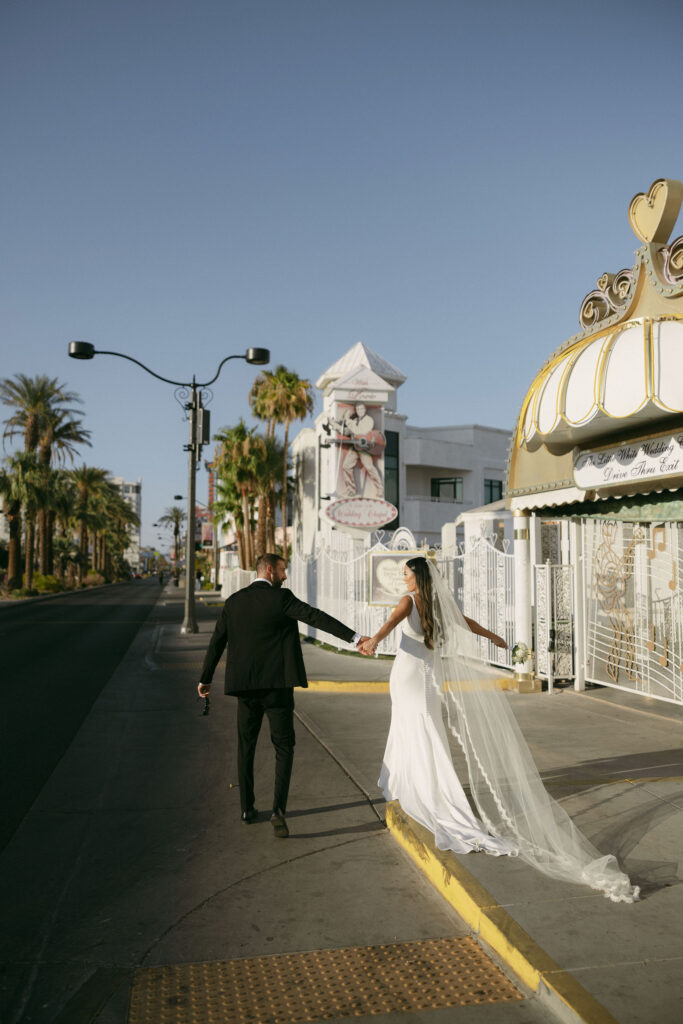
x=554, y=632
x=335, y=578
x=483, y=581
x=633, y=606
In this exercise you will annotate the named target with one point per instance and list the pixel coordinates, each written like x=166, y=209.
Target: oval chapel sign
x=361, y=513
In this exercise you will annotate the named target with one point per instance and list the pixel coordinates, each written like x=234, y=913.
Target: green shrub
x=47, y=584
x=93, y=579
x=25, y=592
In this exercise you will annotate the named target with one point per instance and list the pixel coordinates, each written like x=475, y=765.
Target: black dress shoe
x=248, y=817
x=279, y=825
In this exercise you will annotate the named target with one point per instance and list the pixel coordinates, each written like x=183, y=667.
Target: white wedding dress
x=417, y=769
x=515, y=813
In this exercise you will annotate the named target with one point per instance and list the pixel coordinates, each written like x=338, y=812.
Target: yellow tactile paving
x=297, y=987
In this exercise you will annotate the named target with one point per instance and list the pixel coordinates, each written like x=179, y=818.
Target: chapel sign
x=361, y=513
x=630, y=463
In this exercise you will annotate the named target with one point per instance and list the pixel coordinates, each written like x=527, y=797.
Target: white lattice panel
x=634, y=606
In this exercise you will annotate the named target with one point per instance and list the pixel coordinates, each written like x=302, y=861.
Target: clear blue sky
x=443, y=181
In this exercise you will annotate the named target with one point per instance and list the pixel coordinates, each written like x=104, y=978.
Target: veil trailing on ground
x=511, y=799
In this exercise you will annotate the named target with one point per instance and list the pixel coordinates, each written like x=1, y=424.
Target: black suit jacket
x=259, y=626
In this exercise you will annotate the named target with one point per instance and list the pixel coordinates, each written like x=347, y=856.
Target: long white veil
x=511, y=799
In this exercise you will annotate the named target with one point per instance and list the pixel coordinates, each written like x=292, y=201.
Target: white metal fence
x=234, y=579
x=633, y=606
x=483, y=581
x=613, y=615
x=336, y=579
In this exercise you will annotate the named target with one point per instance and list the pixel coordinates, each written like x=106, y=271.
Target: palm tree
x=15, y=487
x=288, y=397
x=175, y=517
x=63, y=505
x=35, y=487
x=34, y=400
x=268, y=474
x=111, y=518
x=115, y=537
x=238, y=461
x=66, y=558
x=261, y=399
x=228, y=505
x=88, y=480
x=60, y=435
x=42, y=415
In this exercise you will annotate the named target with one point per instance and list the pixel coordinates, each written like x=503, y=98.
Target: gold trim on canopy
x=597, y=387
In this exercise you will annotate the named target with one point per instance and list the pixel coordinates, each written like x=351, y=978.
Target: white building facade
x=131, y=492
x=362, y=447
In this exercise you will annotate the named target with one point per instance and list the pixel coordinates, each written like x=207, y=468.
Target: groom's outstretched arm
x=296, y=609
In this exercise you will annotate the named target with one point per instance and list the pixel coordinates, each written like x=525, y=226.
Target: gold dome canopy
x=622, y=375
x=629, y=375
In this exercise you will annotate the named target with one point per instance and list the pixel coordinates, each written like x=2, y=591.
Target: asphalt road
x=55, y=657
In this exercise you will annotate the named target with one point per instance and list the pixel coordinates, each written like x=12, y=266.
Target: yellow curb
x=381, y=686
x=329, y=686
x=480, y=911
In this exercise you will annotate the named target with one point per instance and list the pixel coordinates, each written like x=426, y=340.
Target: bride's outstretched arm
x=400, y=612
x=482, y=631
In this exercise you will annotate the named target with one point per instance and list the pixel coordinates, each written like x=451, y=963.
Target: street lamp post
x=198, y=417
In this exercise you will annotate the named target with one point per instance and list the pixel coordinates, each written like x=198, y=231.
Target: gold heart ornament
x=653, y=216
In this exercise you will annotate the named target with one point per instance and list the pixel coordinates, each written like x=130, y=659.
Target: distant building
x=132, y=494
x=362, y=460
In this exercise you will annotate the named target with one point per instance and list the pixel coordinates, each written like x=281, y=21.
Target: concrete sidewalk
x=133, y=859
x=615, y=761
x=132, y=863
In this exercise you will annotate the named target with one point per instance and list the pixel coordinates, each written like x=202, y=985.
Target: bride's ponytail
x=423, y=580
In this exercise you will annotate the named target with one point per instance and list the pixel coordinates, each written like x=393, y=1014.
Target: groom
x=264, y=664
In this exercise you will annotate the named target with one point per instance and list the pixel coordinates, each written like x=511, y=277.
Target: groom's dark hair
x=268, y=559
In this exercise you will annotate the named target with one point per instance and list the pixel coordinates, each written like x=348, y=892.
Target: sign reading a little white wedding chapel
x=630, y=463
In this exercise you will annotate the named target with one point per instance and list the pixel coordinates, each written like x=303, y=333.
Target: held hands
x=204, y=689
x=366, y=645
x=362, y=645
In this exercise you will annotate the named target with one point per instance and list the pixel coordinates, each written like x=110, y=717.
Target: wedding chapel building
x=594, y=483
x=363, y=467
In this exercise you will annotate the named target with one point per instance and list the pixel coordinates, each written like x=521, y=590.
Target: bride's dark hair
x=424, y=591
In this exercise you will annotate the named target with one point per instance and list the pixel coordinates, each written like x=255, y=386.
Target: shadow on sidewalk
x=363, y=827
x=625, y=832
x=581, y=775
x=623, y=793
x=370, y=826
x=330, y=807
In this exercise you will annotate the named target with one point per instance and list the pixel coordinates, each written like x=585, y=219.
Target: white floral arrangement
x=520, y=654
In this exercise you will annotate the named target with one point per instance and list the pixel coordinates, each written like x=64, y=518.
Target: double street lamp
x=192, y=397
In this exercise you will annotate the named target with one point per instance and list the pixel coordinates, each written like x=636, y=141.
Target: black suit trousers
x=278, y=706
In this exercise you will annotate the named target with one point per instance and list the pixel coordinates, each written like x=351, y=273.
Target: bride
x=437, y=668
